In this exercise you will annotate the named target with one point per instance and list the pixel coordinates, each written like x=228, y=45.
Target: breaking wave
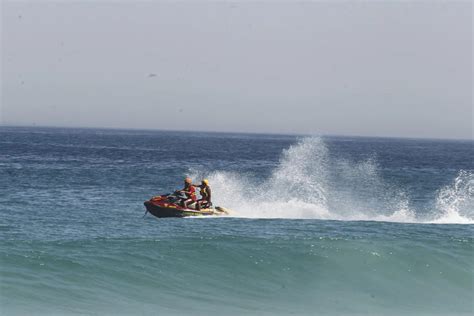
x=309, y=183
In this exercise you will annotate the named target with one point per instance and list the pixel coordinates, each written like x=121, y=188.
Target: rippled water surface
x=319, y=225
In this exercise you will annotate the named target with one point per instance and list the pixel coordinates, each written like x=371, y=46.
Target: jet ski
x=170, y=206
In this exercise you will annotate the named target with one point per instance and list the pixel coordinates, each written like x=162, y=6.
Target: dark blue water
x=319, y=225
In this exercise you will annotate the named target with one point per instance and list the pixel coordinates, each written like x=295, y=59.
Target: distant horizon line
x=227, y=132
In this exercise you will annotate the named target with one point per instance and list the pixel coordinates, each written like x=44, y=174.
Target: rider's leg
x=187, y=202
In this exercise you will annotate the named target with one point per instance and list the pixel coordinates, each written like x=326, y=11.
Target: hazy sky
x=353, y=68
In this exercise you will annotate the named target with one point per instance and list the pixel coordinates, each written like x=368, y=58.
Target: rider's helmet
x=205, y=181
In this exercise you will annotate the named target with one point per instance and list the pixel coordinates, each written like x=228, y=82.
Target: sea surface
x=319, y=225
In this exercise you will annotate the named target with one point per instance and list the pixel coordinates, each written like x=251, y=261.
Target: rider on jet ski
x=205, y=192
x=189, y=191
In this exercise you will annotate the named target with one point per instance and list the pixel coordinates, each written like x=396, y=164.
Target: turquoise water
x=320, y=226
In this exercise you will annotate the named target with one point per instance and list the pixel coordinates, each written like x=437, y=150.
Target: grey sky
x=353, y=68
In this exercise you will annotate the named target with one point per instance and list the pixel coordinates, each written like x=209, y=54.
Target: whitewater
x=308, y=183
x=320, y=225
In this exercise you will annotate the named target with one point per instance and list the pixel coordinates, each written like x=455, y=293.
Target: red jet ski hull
x=161, y=207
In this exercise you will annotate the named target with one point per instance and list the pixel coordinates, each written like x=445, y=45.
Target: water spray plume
x=310, y=183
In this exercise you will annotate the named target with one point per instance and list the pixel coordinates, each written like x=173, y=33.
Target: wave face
x=245, y=267
x=310, y=183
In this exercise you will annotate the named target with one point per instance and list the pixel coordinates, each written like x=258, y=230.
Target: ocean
x=320, y=225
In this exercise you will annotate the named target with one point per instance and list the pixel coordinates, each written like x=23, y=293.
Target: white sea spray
x=310, y=183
